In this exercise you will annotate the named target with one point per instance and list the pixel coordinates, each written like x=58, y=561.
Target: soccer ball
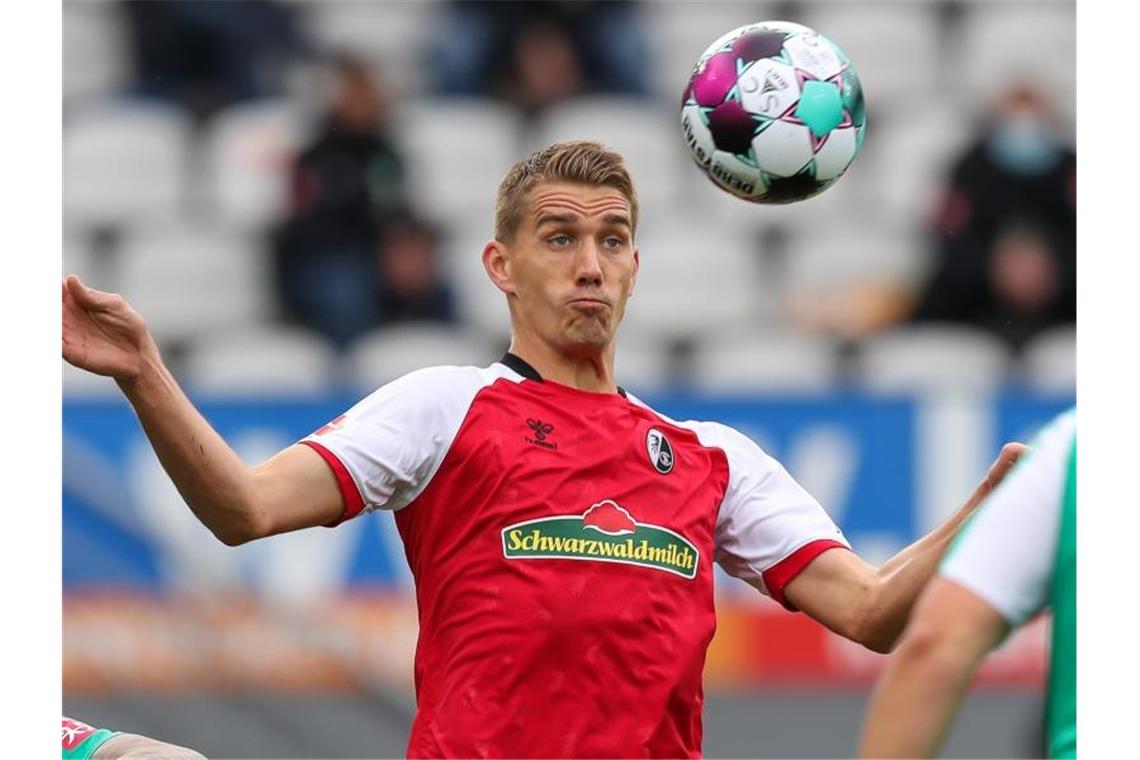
x=773, y=112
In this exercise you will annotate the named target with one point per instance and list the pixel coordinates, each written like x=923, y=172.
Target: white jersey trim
x=393, y=442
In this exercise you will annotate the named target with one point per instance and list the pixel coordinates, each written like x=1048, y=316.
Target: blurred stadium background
x=192, y=134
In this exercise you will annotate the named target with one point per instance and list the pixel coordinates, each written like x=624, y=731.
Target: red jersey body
x=562, y=544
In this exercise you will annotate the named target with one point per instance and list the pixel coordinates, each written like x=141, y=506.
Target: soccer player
x=1015, y=557
x=84, y=742
x=560, y=532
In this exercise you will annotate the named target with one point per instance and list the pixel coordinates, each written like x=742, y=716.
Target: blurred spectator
x=1005, y=233
x=411, y=288
x=535, y=54
x=1004, y=239
x=344, y=185
x=207, y=55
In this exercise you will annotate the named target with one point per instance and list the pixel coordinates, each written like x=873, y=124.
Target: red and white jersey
x=562, y=544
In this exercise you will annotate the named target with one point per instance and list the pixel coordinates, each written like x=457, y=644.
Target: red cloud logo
x=607, y=517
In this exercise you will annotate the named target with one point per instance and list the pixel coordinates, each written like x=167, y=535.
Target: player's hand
x=102, y=333
x=1005, y=461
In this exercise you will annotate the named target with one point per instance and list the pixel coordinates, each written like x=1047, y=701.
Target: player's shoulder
x=1062, y=428
x=1051, y=447
x=738, y=447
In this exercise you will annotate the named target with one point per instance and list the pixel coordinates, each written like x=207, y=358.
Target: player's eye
x=559, y=240
x=614, y=242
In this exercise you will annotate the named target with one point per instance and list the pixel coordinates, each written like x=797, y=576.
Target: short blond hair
x=578, y=161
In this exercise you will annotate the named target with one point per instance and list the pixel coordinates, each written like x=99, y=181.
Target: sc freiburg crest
x=660, y=452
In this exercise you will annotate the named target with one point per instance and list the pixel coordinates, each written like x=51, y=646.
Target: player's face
x=572, y=265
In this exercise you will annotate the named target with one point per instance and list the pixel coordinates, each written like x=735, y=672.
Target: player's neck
x=592, y=371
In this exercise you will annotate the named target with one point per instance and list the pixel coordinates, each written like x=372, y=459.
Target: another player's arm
x=135, y=747
x=997, y=576
x=871, y=605
x=237, y=502
x=924, y=683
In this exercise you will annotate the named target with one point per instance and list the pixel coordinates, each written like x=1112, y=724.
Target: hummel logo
x=541, y=430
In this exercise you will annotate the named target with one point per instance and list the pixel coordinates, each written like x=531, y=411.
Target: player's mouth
x=589, y=303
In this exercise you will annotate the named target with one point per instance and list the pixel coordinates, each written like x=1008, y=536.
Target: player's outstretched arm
x=135, y=747
x=915, y=702
x=871, y=605
x=238, y=503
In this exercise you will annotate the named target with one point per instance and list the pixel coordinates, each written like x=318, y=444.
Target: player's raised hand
x=1005, y=461
x=102, y=333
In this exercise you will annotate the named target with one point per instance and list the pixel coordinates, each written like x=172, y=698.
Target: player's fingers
x=1011, y=452
x=89, y=298
x=1005, y=461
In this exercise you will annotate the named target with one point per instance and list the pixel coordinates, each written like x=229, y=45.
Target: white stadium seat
x=79, y=259
x=843, y=253
x=479, y=303
x=1049, y=361
x=391, y=35
x=939, y=358
x=250, y=150
x=895, y=47
x=764, y=362
x=124, y=161
x=457, y=152
x=189, y=280
x=391, y=352
x=1003, y=42
x=643, y=366
x=909, y=155
x=695, y=279
x=645, y=132
x=680, y=30
x=261, y=361
x=95, y=50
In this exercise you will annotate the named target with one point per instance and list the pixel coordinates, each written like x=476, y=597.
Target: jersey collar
x=521, y=366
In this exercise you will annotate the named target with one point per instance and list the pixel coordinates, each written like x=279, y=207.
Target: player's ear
x=636, y=269
x=496, y=261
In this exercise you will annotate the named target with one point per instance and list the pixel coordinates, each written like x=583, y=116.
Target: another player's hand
x=102, y=333
x=1005, y=461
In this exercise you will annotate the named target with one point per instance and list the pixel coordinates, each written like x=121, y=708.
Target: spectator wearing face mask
x=1005, y=231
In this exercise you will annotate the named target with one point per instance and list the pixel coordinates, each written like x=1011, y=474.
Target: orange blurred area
x=116, y=642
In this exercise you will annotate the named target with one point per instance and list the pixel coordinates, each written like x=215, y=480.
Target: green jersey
x=1019, y=554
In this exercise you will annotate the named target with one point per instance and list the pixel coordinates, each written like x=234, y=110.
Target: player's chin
x=593, y=331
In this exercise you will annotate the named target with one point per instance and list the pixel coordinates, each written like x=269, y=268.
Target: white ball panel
x=697, y=135
x=813, y=54
x=783, y=148
x=836, y=154
x=768, y=87
x=787, y=26
x=734, y=175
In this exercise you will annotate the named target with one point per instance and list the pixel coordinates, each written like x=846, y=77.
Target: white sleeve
x=1005, y=553
x=386, y=448
x=768, y=528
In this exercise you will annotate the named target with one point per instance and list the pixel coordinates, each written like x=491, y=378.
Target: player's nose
x=589, y=264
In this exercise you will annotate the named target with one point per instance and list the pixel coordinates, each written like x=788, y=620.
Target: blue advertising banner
x=867, y=459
